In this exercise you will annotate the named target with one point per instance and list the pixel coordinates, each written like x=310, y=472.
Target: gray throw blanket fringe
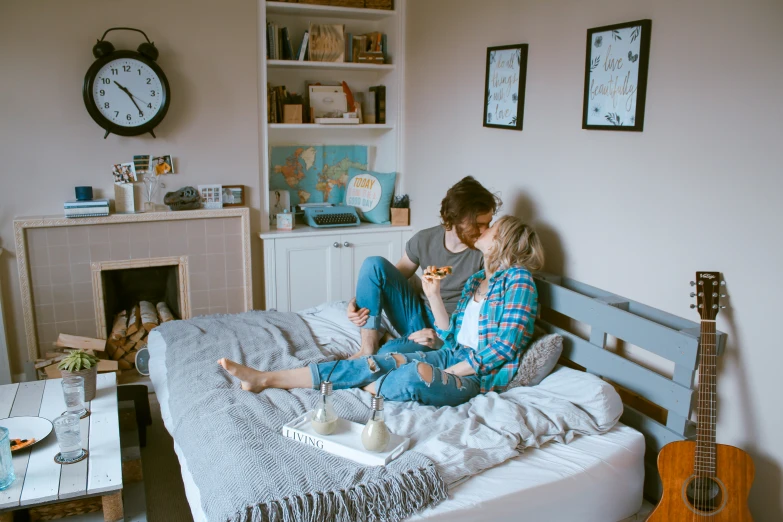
x=245, y=469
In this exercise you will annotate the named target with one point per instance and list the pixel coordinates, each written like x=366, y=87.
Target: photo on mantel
x=504, y=87
x=615, y=90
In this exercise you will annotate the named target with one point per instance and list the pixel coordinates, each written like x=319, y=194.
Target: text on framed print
x=616, y=76
x=504, y=88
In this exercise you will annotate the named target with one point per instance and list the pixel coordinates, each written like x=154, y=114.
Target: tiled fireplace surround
x=60, y=262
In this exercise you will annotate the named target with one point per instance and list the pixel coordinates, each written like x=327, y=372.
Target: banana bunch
x=78, y=360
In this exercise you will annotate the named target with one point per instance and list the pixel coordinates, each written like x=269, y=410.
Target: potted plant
x=81, y=363
x=400, y=211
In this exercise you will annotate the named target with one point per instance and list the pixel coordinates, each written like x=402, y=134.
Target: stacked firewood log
x=130, y=328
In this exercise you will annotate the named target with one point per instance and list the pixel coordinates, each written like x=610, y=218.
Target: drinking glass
x=6, y=463
x=73, y=389
x=69, y=437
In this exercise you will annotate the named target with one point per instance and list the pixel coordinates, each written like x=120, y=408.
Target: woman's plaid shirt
x=505, y=325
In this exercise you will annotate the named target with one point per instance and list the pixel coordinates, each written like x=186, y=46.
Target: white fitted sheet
x=592, y=479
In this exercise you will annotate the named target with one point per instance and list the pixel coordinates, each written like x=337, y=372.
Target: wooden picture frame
x=616, y=65
x=235, y=196
x=504, y=86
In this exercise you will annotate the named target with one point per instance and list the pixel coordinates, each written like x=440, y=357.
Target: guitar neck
x=704, y=464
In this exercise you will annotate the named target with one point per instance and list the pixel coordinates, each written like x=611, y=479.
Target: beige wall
x=49, y=144
x=633, y=213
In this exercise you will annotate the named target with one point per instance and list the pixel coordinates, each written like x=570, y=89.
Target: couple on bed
x=466, y=334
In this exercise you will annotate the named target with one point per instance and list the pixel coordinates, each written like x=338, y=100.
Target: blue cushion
x=371, y=194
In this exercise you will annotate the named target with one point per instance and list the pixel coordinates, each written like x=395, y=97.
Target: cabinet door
x=358, y=247
x=307, y=272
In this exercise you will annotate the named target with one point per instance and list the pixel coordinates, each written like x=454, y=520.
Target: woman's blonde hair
x=515, y=244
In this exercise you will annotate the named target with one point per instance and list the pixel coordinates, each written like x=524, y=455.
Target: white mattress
x=592, y=479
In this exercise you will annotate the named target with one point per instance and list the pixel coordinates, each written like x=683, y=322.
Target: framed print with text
x=504, y=87
x=616, y=65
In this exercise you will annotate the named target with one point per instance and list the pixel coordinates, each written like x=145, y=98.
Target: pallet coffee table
x=43, y=485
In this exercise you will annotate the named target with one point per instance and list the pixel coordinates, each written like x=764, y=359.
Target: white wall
x=49, y=144
x=633, y=213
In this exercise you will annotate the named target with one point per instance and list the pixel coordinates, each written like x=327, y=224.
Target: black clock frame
x=105, y=123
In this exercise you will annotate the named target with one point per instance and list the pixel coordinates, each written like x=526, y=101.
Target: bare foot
x=252, y=380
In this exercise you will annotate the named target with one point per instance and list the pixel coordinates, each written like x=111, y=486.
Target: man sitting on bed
x=483, y=338
x=465, y=214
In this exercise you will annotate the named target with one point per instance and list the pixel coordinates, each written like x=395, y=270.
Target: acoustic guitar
x=703, y=480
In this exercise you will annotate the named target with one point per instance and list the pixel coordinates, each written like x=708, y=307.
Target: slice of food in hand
x=438, y=273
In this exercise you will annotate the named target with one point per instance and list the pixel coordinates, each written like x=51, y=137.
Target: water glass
x=73, y=389
x=69, y=436
x=6, y=463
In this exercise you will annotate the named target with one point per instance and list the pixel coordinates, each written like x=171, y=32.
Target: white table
x=39, y=479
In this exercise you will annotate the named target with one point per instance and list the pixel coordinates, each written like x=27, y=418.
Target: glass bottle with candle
x=375, y=435
x=324, y=419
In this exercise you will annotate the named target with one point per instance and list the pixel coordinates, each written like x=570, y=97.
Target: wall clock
x=126, y=92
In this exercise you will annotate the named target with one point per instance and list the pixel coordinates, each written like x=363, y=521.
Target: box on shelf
x=335, y=3
x=292, y=113
x=400, y=217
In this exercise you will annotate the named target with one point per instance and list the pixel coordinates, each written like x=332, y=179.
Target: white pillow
x=592, y=394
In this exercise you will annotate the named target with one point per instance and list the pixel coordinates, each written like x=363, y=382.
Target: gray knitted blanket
x=245, y=469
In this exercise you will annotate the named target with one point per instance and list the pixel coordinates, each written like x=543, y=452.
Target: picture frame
x=233, y=195
x=504, y=86
x=162, y=165
x=616, y=70
x=124, y=172
x=211, y=195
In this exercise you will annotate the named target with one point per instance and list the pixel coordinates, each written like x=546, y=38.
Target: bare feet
x=252, y=380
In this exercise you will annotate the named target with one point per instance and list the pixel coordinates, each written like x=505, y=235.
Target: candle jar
x=7, y=475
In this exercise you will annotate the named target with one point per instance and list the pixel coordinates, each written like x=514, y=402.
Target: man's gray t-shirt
x=428, y=248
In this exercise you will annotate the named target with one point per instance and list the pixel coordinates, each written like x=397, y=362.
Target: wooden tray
x=345, y=441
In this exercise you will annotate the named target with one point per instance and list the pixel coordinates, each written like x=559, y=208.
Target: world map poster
x=315, y=173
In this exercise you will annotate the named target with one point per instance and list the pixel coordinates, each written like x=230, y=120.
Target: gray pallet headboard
x=661, y=333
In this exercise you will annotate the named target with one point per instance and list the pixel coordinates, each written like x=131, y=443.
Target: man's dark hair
x=465, y=201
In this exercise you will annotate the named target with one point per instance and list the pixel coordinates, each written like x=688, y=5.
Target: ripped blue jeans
x=418, y=377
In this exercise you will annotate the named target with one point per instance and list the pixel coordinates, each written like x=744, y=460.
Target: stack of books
x=278, y=44
x=377, y=98
x=89, y=208
x=366, y=48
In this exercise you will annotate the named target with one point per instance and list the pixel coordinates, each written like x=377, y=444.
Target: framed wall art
x=616, y=76
x=211, y=195
x=504, y=86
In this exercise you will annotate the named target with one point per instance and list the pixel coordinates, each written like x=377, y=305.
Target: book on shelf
x=91, y=208
x=302, y=52
x=95, y=203
x=380, y=103
x=288, y=50
x=327, y=42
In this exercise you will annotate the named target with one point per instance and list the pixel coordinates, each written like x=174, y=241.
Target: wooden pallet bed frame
x=658, y=406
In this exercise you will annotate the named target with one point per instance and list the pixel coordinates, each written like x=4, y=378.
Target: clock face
x=127, y=92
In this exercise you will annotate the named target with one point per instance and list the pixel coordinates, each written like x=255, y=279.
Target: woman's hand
x=426, y=337
x=430, y=285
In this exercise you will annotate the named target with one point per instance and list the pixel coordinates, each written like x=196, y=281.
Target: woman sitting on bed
x=492, y=324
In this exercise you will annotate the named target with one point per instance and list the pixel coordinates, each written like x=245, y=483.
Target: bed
x=602, y=477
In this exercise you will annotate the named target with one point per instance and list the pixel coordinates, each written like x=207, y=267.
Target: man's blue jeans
x=405, y=382
x=382, y=288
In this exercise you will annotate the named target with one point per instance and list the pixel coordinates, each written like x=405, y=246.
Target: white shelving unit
x=308, y=266
x=384, y=140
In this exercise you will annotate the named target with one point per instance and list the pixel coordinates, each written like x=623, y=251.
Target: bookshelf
x=383, y=140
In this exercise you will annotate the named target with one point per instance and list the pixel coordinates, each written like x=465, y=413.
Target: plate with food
x=438, y=273
x=26, y=431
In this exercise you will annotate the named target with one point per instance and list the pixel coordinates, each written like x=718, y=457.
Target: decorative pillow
x=538, y=360
x=371, y=193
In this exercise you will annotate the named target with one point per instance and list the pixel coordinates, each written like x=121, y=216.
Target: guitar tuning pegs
x=693, y=294
x=693, y=306
x=714, y=307
x=722, y=306
x=693, y=284
x=723, y=283
x=724, y=295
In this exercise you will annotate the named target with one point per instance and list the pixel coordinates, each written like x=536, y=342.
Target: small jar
x=375, y=435
x=285, y=220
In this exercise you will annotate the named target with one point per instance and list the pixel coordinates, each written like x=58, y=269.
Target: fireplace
x=121, y=285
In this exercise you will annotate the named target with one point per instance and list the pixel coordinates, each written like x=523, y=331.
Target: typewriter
x=339, y=216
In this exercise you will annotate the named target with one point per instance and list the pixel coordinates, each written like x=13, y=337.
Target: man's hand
x=426, y=337
x=357, y=316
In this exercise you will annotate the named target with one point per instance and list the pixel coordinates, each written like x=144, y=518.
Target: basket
x=379, y=4
x=89, y=375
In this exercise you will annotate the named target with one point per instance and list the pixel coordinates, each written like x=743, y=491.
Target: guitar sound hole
x=704, y=494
